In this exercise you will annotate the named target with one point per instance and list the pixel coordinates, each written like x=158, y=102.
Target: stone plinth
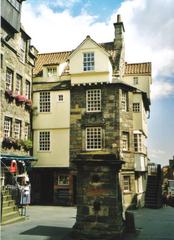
x=99, y=203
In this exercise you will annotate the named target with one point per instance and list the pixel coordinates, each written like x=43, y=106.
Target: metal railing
x=11, y=185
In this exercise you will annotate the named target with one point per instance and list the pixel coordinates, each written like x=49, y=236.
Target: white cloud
x=51, y=31
x=162, y=89
x=149, y=33
x=63, y=3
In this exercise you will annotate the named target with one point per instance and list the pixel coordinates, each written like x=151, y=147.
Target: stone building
x=17, y=62
x=101, y=103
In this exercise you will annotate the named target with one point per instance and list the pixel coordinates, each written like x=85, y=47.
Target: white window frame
x=22, y=50
x=93, y=100
x=138, y=146
x=45, y=102
x=7, y=126
x=60, y=98
x=26, y=131
x=88, y=61
x=135, y=80
x=17, y=129
x=63, y=180
x=44, y=141
x=125, y=141
x=27, y=89
x=93, y=138
x=18, y=84
x=124, y=101
x=136, y=107
x=9, y=79
x=126, y=183
x=51, y=71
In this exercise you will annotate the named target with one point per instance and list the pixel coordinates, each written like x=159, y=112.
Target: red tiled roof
x=49, y=59
x=138, y=68
x=60, y=57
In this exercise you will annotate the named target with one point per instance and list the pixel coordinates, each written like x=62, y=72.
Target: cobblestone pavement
x=54, y=223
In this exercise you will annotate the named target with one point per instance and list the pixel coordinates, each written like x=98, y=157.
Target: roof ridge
x=136, y=63
x=54, y=52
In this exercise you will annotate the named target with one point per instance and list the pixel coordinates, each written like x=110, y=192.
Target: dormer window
x=88, y=61
x=51, y=71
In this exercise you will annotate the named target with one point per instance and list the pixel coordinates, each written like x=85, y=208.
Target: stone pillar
x=99, y=203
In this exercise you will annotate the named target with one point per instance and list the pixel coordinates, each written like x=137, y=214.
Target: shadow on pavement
x=58, y=233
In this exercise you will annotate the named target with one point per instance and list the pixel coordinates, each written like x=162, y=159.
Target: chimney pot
x=118, y=18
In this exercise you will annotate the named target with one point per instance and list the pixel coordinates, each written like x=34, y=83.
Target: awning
x=9, y=157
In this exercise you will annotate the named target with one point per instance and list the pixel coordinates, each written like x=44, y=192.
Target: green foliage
x=27, y=144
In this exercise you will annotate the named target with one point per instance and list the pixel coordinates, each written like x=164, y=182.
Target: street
x=55, y=222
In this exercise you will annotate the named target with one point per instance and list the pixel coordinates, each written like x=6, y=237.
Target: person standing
x=25, y=197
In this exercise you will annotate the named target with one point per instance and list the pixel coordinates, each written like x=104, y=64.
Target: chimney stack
x=118, y=18
x=119, y=46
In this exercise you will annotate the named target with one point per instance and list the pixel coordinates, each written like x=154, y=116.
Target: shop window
x=63, y=180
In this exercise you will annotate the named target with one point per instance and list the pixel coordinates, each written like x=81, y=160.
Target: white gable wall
x=102, y=69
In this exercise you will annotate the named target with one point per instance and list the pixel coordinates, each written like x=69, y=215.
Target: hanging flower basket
x=20, y=98
x=8, y=142
x=27, y=145
x=28, y=102
x=17, y=144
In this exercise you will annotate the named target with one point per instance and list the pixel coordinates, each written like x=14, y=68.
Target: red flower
x=21, y=98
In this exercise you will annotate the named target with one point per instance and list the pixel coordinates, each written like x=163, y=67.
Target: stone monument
x=99, y=201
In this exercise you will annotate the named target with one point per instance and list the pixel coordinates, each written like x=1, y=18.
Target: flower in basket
x=20, y=98
x=28, y=102
x=27, y=145
x=17, y=144
x=8, y=142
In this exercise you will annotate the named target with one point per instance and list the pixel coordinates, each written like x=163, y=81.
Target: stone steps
x=10, y=212
x=13, y=220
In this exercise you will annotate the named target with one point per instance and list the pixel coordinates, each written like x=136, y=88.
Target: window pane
x=27, y=89
x=9, y=79
x=44, y=141
x=88, y=61
x=45, y=102
x=126, y=183
x=7, y=127
x=93, y=100
x=94, y=138
x=17, y=129
x=18, y=84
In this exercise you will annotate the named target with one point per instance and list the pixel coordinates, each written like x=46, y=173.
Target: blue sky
x=61, y=25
